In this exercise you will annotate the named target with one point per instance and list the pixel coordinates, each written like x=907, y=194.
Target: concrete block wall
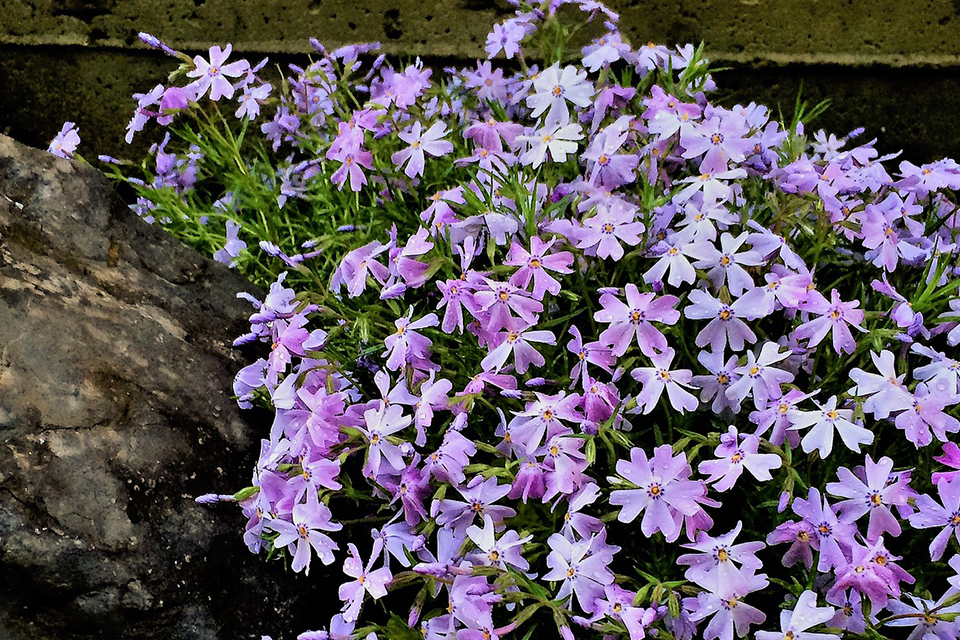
x=892, y=66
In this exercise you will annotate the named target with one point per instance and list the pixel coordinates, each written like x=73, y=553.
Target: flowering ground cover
x=586, y=354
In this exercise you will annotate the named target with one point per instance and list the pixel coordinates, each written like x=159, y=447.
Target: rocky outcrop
x=115, y=412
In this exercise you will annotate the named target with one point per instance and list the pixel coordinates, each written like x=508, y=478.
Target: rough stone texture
x=888, y=65
x=861, y=31
x=115, y=370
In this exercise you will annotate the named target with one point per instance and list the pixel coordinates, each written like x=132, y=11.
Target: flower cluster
x=534, y=326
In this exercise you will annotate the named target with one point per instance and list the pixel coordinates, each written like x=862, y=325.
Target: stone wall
x=890, y=65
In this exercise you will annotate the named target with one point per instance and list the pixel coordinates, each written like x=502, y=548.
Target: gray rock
x=115, y=412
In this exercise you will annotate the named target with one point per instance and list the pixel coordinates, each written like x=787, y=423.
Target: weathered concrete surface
x=811, y=31
x=115, y=412
x=892, y=66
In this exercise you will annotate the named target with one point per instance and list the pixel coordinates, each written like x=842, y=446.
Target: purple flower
x=664, y=494
x=925, y=414
x=759, y=378
x=309, y=520
x=492, y=552
x=805, y=614
x=824, y=422
x=517, y=344
x=502, y=298
x=611, y=169
x=565, y=464
x=233, y=246
x=886, y=391
x=725, y=324
x=534, y=265
x=926, y=625
x=580, y=524
x=251, y=99
x=583, y=574
x=559, y=138
x=365, y=582
x=876, y=496
x=736, y=453
x=213, y=75
x=356, y=266
x=446, y=463
x=553, y=88
x=728, y=609
x=421, y=142
x=457, y=295
x=929, y=515
x=720, y=138
x=724, y=264
x=872, y=572
x=66, y=142
x=479, y=498
x=592, y=352
x=507, y=37
x=633, y=320
x=433, y=395
x=803, y=540
x=659, y=377
x=603, y=232
x=406, y=346
x=715, y=385
x=543, y=418
x=380, y=423
x=715, y=567
x=832, y=535
x=836, y=317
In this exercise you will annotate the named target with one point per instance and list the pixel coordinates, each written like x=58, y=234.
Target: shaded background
x=892, y=66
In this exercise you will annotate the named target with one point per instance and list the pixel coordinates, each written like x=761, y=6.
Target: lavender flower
x=663, y=492
x=213, y=75
x=66, y=142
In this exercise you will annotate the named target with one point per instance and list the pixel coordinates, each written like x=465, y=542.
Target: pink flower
x=534, y=265
x=836, y=317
